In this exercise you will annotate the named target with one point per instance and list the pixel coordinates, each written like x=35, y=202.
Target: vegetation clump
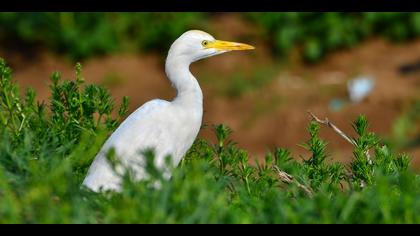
x=46, y=149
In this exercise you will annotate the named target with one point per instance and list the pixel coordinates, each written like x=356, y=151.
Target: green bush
x=45, y=151
x=319, y=33
x=81, y=35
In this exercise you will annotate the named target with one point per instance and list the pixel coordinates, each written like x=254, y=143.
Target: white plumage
x=168, y=127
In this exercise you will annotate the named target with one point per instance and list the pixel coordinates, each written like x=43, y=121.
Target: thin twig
x=339, y=132
x=331, y=125
x=287, y=178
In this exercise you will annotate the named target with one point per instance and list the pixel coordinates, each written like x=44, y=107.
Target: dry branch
x=331, y=125
x=287, y=178
x=338, y=131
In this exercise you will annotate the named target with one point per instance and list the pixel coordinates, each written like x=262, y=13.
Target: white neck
x=188, y=90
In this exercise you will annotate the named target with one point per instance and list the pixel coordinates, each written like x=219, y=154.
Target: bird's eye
x=204, y=43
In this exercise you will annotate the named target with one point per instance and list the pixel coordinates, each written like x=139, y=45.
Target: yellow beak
x=228, y=46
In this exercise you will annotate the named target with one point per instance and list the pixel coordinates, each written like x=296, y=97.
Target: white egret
x=169, y=127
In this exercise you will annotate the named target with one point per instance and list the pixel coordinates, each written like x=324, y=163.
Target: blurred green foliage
x=319, y=33
x=45, y=151
x=81, y=35
x=406, y=128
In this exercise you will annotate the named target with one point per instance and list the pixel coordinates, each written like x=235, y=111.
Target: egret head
x=194, y=45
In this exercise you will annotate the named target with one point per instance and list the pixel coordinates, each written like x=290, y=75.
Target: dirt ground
x=274, y=114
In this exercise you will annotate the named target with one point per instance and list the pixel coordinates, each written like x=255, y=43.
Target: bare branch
x=338, y=131
x=287, y=178
x=331, y=125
